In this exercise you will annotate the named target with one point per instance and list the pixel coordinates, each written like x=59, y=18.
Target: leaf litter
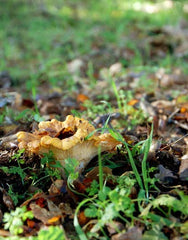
x=116, y=98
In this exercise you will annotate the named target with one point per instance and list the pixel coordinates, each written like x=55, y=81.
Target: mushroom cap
x=66, y=140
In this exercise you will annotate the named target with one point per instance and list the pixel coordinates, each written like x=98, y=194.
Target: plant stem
x=79, y=230
x=120, y=138
x=147, y=145
x=117, y=95
x=100, y=170
x=133, y=165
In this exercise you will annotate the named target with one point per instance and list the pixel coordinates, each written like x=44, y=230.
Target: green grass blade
x=79, y=230
x=100, y=170
x=120, y=138
x=133, y=165
x=116, y=94
x=147, y=145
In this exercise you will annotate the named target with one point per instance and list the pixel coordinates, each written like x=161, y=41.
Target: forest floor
x=115, y=78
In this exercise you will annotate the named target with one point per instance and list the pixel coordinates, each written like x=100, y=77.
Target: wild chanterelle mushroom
x=66, y=140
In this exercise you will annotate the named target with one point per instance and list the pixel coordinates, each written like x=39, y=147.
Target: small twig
x=171, y=144
x=184, y=126
x=173, y=113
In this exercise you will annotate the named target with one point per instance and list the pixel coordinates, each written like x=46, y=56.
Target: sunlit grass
x=32, y=35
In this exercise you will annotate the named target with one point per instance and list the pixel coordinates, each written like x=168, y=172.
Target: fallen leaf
x=133, y=233
x=13, y=99
x=79, y=186
x=114, y=227
x=183, y=170
x=82, y=219
x=53, y=208
x=56, y=187
x=66, y=209
x=34, y=198
x=47, y=217
x=75, y=66
x=7, y=200
x=4, y=233
x=165, y=175
x=133, y=102
x=40, y=202
x=30, y=223
x=54, y=220
x=115, y=69
x=49, y=107
x=9, y=142
x=39, y=213
x=163, y=106
x=94, y=173
x=8, y=129
x=81, y=98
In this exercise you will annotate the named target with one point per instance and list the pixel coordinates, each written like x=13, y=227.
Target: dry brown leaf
x=8, y=142
x=34, y=198
x=14, y=99
x=94, y=173
x=53, y=216
x=56, y=186
x=4, y=233
x=133, y=233
x=114, y=227
x=66, y=209
x=183, y=170
x=82, y=219
x=7, y=200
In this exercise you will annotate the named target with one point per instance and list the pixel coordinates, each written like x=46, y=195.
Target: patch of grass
x=106, y=204
x=60, y=31
x=49, y=169
x=27, y=115
x=142, y=182
x=136, y=116
x=92, y=109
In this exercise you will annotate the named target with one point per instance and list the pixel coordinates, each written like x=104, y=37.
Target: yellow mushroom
x=66, y=140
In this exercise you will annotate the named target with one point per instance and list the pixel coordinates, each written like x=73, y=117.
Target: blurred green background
x=38, y=37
